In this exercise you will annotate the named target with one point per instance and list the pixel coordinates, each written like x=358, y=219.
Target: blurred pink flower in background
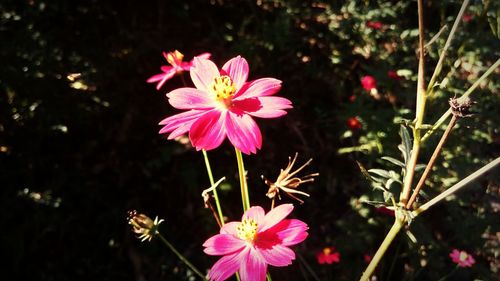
x=386, y=211
x=354, y=124
x=467, y=17
x=328, y=255
x=223, y=104
x=257, y=241
x=368, y=82
x=367, y=258
x=462, y=258
x=374, y=24
x=176, y=66
x=393, y=75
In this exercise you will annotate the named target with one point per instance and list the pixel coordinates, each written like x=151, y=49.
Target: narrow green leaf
x=380, y=172
x=394, y=161
x=406, y=142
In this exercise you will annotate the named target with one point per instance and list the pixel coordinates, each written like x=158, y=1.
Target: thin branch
x=439, y=65
x=432, y=160
x=456, y=187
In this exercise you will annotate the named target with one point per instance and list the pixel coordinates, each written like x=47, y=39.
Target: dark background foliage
x=79, y=151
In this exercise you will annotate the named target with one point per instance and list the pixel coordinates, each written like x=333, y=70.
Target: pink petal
x=162, y=77
x=180, y=123
x=227, y=266
x=278, y=255
x=223, y=244
x=237, y=69
x=264, y=107
x=276, y=215
x=186, y=66
x=208, y=131
x=255, y=213
x=243, y=132
x=203, y=73
x=204, y=56
x=230, y=228
x=259, y=88
x=290, y=231
x=190, y=98
x=253, y=267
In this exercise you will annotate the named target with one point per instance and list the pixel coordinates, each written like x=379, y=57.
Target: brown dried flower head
x=461, y=107
x=288, y=182
x=142, y=225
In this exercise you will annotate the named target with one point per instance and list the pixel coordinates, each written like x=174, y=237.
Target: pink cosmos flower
x=328, y=255
x=222, y=104
x=176, y=66
x=258, y=240
x=368, y=82
x=374, y=24
x=462, y=258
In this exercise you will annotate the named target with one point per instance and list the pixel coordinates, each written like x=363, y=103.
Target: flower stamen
x=174, y=58
x=222, y=89
x=247, y=230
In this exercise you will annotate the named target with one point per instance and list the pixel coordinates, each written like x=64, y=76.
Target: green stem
x=180, y=256
x=456, y=187
x=216, y=196
x=466, y=94
x=268, y=276
x=396, y=227
x=245, y=199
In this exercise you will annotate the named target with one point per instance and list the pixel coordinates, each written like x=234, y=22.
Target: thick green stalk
x=396, y=227
x=216, y=196
x=181, y=257
x=420, y=111
x=245, y=198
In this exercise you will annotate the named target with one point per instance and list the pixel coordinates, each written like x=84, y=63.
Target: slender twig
x=439, y=65
x=245, y=198
x=181, y=257
x=456, y=187
x=206, y=197
x=466, y=94
x=308, y=267
x=432, y=160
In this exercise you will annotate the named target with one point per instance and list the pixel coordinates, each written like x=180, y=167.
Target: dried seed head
x=142, y=225
x=461, y=107
x=288, y=183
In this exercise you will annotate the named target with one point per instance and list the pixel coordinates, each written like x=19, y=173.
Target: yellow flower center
x=222, y=89
x=247, y=230
x=175, y=57
x=463, y=256
x=327, y=251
